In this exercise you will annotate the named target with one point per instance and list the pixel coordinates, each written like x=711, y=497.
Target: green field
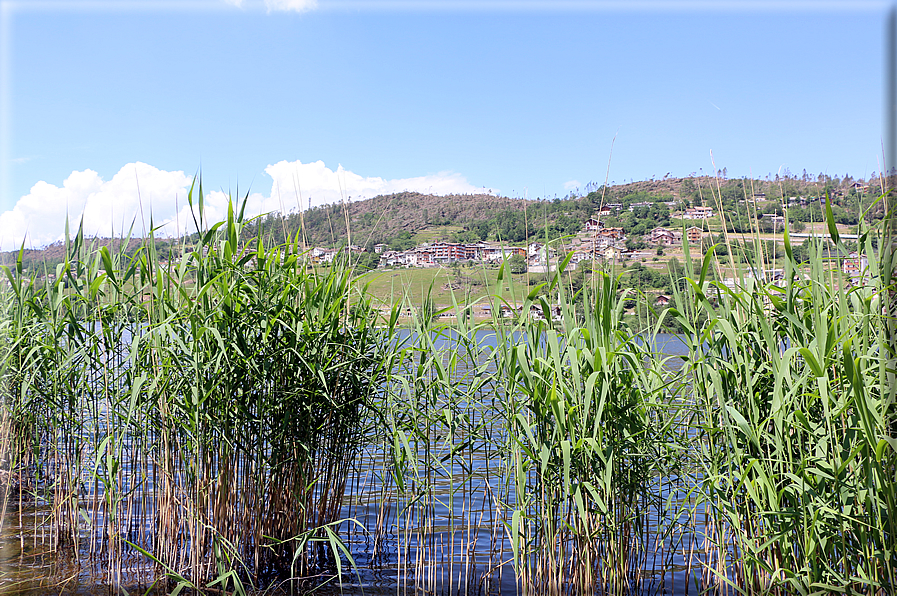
x=449, y=285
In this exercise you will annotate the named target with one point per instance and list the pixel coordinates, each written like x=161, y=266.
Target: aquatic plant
x=198, y=414
x=794, y=405
x=589, y=442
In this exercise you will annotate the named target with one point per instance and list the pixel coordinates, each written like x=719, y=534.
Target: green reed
x=794, y=405
x=554, y=435
x=589, y=437
x=197, y=417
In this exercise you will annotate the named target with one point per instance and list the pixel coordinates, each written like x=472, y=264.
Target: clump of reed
x=589, y=439
x=794, y=392
x=194, y=419
x=551, y=437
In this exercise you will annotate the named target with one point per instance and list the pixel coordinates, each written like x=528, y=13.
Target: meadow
x=241, y=422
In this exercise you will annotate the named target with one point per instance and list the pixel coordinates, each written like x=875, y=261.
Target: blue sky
x=110, y=105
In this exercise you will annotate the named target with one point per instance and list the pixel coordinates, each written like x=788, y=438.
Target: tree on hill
x=517, y=264
x=401, y=241
x=366, y=261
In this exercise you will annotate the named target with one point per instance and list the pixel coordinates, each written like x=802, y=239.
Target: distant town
x=594, y=241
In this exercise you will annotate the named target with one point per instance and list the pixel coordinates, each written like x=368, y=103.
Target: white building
x=698, y=213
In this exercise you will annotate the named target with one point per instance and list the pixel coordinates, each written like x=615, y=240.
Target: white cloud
x=571, y=184
x=275, y=5
x=106, y=207
x=291, y=5
x=317, y=184
x=110, y=207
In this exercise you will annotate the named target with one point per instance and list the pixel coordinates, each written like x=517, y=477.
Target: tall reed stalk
x=588, y=439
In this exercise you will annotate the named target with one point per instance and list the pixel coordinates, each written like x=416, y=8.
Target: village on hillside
x=593, y=242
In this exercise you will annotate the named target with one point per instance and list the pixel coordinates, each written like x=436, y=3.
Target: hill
x=402, y=219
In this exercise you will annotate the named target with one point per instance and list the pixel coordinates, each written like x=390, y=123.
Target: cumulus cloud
x=571, y=185
x=105, y=207
x=138, y=190
x=296, y=183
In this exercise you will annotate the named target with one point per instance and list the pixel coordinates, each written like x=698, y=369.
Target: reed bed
x=239, y=421
x=194, y=421
x=794, y=403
